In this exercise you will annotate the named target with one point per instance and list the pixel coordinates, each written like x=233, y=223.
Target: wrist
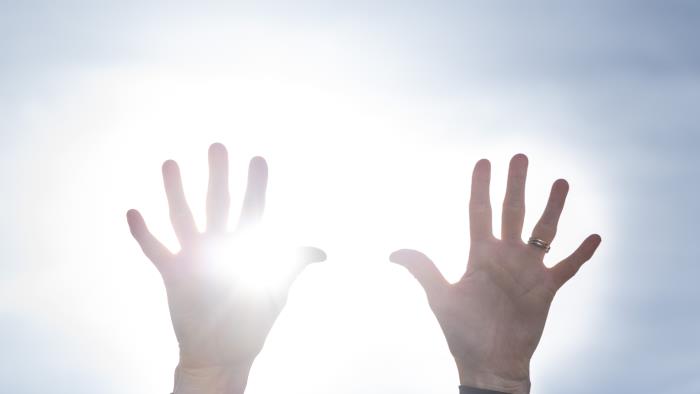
x=511, y=381
x=226, y=379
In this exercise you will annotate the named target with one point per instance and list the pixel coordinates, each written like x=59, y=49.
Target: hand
x=494, y=316
x=220, y=327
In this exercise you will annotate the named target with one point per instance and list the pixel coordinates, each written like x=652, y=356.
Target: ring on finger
x=540, y=243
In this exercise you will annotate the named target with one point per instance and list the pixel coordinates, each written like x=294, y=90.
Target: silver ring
x=540, y=243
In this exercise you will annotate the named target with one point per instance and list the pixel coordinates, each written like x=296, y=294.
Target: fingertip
x=393, y=255
x=403, y=256
x=135, y=222
x=590, y=246
x=520, y=157
x=561, y=183
x=312, y=255
x=257, y=165
x=169, y=166
x=482, y=170
x=397, y=255
x=483, y=164
x=258, y=161
x=218, y=166
x=217, y=147
x=319, y=256
x=132, y=215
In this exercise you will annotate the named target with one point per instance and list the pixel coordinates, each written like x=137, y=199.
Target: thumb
x=303, y=256
x=422, y=268
x=309, y=254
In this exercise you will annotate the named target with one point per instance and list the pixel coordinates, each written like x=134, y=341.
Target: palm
x=493, y=317
x=216, y=321
x=215, y=324
x=479, y=307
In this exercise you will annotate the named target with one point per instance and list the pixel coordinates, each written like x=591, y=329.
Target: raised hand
x=494, y=316
x=220, y=324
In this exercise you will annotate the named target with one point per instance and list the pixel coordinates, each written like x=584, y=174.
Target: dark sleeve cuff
x=472, y=390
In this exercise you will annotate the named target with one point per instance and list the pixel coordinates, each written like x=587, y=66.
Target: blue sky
x=368, y=113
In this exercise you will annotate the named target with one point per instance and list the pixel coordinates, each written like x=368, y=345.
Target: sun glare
x=254, y=261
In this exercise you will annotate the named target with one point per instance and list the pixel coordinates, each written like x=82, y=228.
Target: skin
x=493, y=317
x=220, y=328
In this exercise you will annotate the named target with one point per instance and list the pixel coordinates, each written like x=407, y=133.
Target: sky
x=371, y=117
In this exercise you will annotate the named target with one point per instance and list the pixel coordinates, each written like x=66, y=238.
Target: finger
x=568, y=267
x=180, y=214
x=514, y=202
x=480, y=226
x=546, y=227
x=423, y=269
x=218, y=199
x=152, y=248
x=304, y=256
x=308, y=255
x=254, y=201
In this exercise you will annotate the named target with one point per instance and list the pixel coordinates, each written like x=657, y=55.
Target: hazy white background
x=371, y=117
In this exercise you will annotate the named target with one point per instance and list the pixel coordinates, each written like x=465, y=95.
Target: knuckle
x=545, y=230
x=479, y=207
x=514, y=206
